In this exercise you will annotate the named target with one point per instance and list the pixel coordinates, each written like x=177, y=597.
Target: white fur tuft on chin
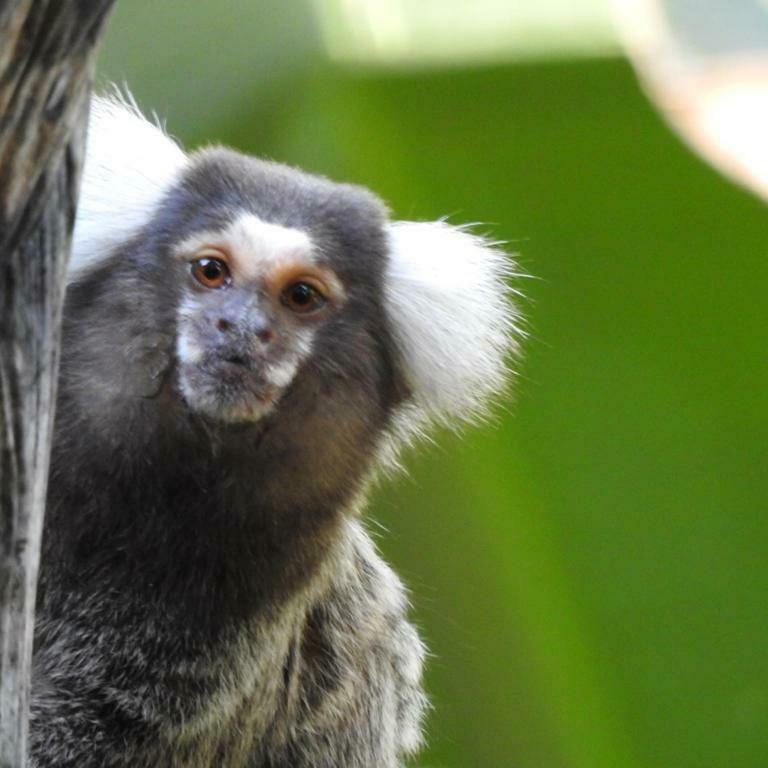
x=130, y=163
x=454, y=321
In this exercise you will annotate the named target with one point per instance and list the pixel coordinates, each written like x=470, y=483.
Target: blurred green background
x=589, y=572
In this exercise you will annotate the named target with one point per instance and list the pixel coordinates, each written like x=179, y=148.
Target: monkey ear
x=130, y=163
x=451, y=311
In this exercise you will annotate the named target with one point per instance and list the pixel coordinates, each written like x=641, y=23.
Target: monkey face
x=253, y=298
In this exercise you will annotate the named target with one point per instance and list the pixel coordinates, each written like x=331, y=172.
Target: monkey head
x=258, y=293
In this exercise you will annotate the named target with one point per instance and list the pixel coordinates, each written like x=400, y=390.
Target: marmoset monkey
x=243, y=345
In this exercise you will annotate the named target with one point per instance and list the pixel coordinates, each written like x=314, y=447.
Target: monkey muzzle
x=233, y=361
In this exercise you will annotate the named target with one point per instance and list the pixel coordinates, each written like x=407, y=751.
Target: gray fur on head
x=242, y=342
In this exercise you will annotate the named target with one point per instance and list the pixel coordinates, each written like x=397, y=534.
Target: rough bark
x=46, y=63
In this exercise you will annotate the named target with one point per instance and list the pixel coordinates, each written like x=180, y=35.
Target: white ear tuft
x=130, y=163
x=454, y=323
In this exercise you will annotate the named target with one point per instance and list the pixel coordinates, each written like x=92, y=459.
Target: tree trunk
x=46, y=64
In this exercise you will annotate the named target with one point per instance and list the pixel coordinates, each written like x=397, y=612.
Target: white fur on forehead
x=255, y=245
x=452, y=316
x=130, y=163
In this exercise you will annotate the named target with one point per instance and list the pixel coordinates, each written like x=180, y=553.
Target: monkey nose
x=260, y=327
x=265, y=335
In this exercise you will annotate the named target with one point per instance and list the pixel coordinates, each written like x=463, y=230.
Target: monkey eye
x=212, y=273
x=302, y=297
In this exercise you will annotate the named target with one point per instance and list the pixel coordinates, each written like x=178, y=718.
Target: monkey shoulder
x=353, y=677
